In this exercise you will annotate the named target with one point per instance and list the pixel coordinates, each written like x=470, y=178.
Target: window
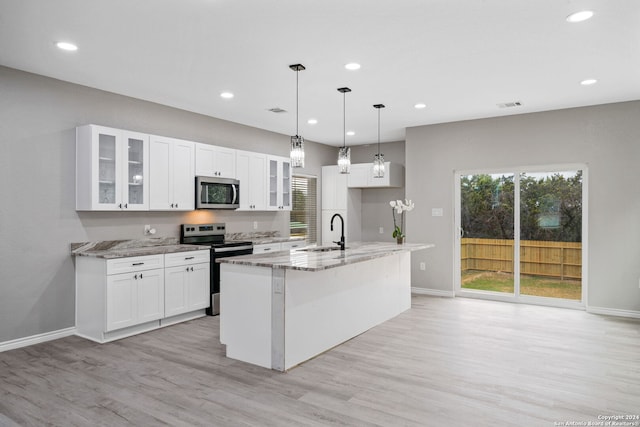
x=303, y=220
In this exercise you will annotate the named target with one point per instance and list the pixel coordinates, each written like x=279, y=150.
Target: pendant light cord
x=378, y=132
x=344, y=119
x=297, y=72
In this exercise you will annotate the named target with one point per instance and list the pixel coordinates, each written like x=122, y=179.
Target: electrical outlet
x=381, y=230
x=255, y=225
x=423, y=266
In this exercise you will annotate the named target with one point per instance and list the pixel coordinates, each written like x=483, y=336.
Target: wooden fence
x=561, y=260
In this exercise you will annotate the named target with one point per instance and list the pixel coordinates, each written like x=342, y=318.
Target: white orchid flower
x=392, y=203
x=410, y=205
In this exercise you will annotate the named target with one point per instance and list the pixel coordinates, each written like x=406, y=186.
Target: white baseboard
x=432, y=292
x=36, y=339
x=614, y=312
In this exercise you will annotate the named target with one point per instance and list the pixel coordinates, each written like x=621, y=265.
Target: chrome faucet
x=341, y=242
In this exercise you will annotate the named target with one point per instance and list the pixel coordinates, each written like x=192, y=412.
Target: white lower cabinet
x=117, y=298
x=186, y=282
x=134, y=298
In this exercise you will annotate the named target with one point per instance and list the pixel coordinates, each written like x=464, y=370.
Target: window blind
x=303, y=218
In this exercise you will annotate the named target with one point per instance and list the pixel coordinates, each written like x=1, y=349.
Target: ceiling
x=461, y=58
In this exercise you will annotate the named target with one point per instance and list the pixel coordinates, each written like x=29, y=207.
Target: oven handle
x=232, y=248
x=235, y=194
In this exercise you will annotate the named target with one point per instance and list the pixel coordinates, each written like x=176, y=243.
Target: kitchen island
x=281, y=309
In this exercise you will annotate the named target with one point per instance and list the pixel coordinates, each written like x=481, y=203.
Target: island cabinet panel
x=326, y=308
x=278, y=318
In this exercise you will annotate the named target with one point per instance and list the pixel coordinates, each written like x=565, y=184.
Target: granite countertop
x=111, y=249
x=260, y=237
x=305, y=260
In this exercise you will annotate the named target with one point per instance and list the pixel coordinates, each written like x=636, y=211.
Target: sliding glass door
x=521, y=234
x=551, y=234
x=487, y=232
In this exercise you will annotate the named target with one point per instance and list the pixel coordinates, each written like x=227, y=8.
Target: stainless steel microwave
x=217, y=193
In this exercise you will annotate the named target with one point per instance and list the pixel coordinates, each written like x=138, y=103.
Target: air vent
x=277, y=110
x=510, y=104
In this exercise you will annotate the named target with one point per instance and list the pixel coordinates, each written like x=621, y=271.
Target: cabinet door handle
x=189, y=257
x=176, y=205
x=126, y=206
x=267, y=249
x=187, y=269
x=135, y=277
x=191, y=268
x=141, y=275
x=120, y=206
x=138, y=263
x=171, y=204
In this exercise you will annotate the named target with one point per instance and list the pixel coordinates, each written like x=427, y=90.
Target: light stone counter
x=316, y=260
x=112, y=249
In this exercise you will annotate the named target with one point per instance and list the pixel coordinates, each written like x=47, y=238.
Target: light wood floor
x=445, y=362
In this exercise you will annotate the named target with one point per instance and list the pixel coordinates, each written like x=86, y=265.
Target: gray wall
x=38, y=220
x=376, y=211
x=606, y=138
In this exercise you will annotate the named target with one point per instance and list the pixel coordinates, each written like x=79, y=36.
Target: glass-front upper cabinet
x=111, y=169
x=137, y=177
x=279, y=178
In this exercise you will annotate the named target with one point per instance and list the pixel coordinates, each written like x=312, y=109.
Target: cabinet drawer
x=186, y=258
x=297, y=244
x=266, y=248
x=139, y=263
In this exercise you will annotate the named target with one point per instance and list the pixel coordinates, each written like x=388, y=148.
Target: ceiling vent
x=277, y=110
x=510, y=104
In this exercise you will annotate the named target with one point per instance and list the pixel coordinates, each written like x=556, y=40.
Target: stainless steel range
x=213, y=235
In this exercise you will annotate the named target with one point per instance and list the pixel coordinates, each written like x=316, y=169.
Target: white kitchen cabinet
x=337, y=198
x=186, y=281
x=251, y=170
x=279, y=183
x=134, y=298
x=171, y=174
x=212, y=160
x=112, y=169
x=361, y=176
x=116, y=298
x=334, y=188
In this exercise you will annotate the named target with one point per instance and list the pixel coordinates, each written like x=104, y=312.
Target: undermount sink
x=322, y=249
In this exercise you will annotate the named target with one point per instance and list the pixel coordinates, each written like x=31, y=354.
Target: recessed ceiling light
x=420, y=106
x=226, y=95
x=67, y=46
x=312, y=121
x=350, y=133
x=588, y=82
x=583, y=15
x=352, y=66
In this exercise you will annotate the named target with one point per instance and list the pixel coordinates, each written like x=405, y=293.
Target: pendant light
x=297, y=142
x=344, y=153
x=378, y=159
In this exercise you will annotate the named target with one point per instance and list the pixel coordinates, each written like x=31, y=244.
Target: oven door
x=217, y=193
x=244, y=248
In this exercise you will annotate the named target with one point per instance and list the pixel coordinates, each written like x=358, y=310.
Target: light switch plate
x=381, y=230
x=436, y=211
